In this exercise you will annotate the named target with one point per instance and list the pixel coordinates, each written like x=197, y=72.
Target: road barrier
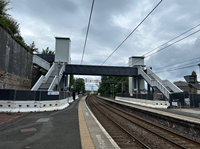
x=63, y=104
x=33, y=101
x=25, y=106
x=6, y=106
x=48, y=106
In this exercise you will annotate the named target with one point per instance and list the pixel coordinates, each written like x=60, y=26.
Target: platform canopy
x=100, y=70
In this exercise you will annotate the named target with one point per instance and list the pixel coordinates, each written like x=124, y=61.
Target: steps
x=165, y=86
x=50, y=80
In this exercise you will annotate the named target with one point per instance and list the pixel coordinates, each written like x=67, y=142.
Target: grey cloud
x=46, y=19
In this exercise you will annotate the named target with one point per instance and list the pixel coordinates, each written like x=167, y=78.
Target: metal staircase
x=165, y=86
x=50, y=80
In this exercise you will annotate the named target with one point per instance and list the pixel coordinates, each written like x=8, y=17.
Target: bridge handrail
x=41, y=62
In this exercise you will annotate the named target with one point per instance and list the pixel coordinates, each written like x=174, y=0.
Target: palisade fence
x=182, y=99
x=27, y=95
x=185, y=99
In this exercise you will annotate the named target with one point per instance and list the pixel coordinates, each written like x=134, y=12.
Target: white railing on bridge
x=41, y=62
x=154, y=82
x=172, y=86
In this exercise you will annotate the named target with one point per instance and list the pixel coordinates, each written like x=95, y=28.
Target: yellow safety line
x=86, y=141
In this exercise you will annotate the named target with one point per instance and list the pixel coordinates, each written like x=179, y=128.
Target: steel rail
x=152, y=125
x=123, y=129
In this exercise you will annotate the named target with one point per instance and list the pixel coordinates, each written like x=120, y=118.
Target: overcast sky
x=112, y=21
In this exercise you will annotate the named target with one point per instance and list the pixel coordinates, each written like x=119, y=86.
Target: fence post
x=193, y=100
x=15, y=95
x=34, y=95
x=40, y=96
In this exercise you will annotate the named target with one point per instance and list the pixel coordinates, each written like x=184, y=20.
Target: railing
x=55, y=80
x=43, y=79
x=50, y=71
x=40, y=62
x=38, y=83
x=172, y=86
x=53, y=83
x=150, y=72
x=154, y=82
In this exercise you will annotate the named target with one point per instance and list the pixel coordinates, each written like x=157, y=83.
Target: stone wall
x=35, y=76
x=15, y=63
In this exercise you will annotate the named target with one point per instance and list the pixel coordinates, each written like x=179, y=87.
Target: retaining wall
x=15, y=63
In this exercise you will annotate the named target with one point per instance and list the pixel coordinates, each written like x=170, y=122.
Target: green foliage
x=107, y=88
x=79, y=85
x=71, y=80
x=47, y=51
x=94, y=94
x=33, y=48
x=11, y=25
x=3, y=9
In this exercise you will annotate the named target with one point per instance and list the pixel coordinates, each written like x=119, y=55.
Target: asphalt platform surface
x=44, y=130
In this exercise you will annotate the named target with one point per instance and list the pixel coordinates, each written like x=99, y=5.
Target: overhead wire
x=178, y=68
x=87, y=31
x=168, y=45
x=169, y=41
x=183, y=65
x=177, y=63
x=132, y=32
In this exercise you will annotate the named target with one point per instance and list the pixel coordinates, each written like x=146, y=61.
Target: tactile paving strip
x=86, y=141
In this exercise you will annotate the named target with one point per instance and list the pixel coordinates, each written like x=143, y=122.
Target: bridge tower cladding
x=63, y=54
x=15, y=63
x=136, y=84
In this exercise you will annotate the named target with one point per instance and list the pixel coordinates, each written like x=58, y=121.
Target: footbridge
x=58, y=73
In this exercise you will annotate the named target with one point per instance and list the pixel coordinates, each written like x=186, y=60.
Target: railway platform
x=74, y=127
x=186, y=114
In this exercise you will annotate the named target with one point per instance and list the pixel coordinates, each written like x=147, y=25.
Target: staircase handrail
x=53, y=83
x=172, y=86
x=154, y=82
x=150, y=72
x=38, y=83
x=55, y=80
x=61, y=71
x=48, y=74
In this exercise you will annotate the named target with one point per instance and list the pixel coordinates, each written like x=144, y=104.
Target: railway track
x=146, y=134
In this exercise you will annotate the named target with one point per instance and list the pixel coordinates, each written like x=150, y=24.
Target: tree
x=71, y=80
x=33, y=48
x=79, y=85
x=7, y=20
x=106, y=87
x=47, y=51
x=3, y=9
